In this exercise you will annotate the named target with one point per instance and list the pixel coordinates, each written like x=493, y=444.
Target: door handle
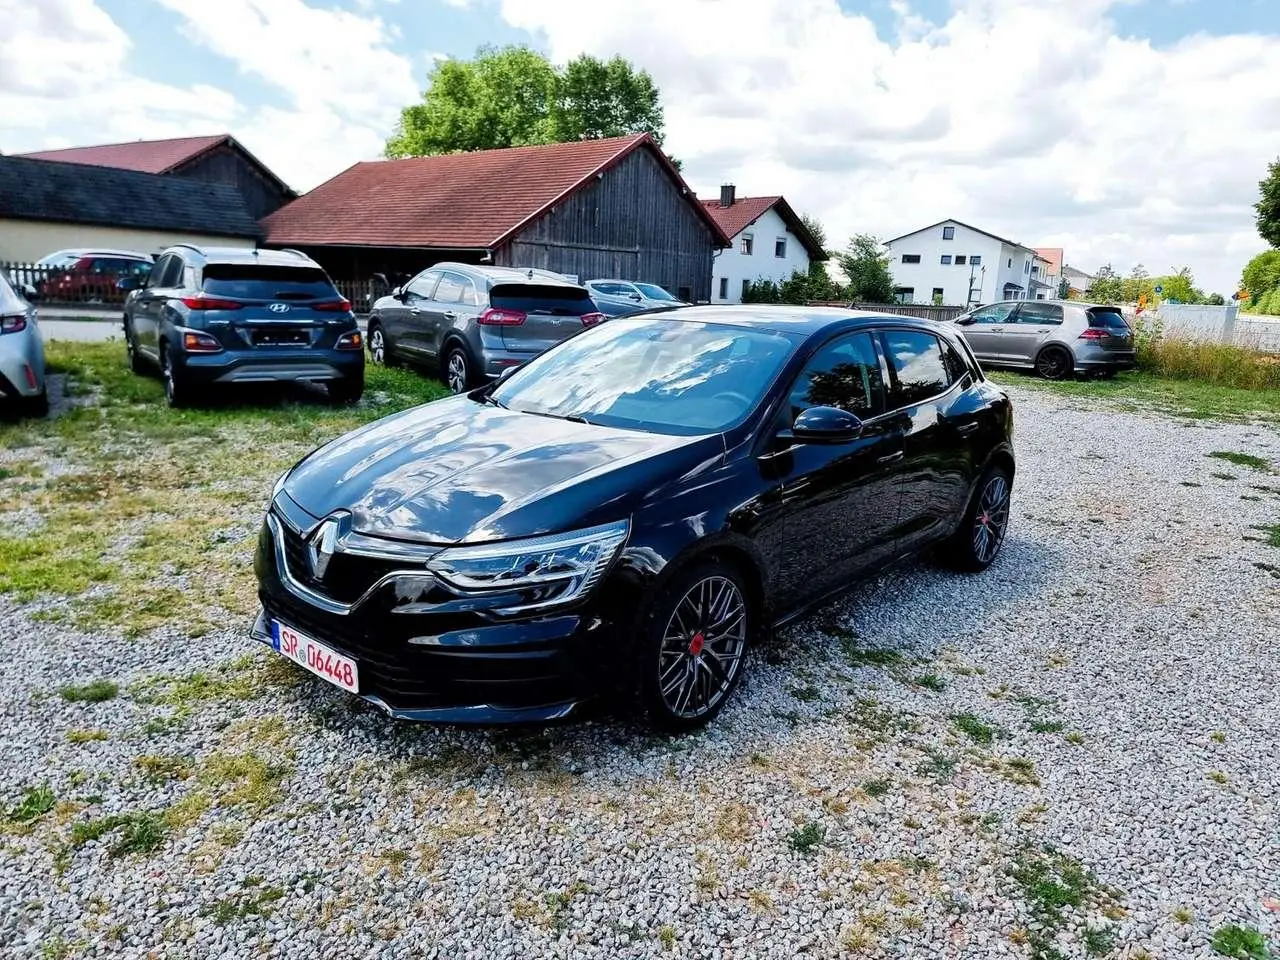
x=450, y=315
x=890, y=457
x=964, y=429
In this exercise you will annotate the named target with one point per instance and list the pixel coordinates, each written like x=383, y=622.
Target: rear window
x=535, y=298
x=1103, y=317
x=249, y=281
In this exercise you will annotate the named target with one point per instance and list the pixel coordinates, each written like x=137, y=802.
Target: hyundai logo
x=279, y=308
x=325, y=541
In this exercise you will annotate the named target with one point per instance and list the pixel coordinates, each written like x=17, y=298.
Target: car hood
x=459, y=471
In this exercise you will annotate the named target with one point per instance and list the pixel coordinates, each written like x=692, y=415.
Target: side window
x=996, y=313
x=844, y=373
x=168, y=271
x=469, y=294
x=422, y=286
x=957, y=366
x=157, y=272
x=450, y=289
x=916, y=368
x=1040, y=313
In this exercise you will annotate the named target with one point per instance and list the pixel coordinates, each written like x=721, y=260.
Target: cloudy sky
x=1123, y=130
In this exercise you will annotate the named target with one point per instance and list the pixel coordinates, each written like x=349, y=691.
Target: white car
x=22, y=383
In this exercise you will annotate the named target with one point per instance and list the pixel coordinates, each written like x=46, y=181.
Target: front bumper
x=458, y=666
x=271, y=366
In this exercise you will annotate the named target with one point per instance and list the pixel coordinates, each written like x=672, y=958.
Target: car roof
x=785, y=319
x=508, y=274
x=97, y=252
x=270, y=258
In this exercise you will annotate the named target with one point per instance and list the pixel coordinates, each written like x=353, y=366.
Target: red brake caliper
x=695, y=644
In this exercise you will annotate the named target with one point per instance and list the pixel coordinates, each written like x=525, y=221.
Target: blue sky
x=1124, y=131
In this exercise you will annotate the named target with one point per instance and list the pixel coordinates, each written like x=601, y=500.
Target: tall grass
x=1221, y=364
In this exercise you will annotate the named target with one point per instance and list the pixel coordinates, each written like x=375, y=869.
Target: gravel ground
x=1109, y=786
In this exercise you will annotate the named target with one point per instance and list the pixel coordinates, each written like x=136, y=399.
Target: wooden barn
x=215, y=159
x=589, y=209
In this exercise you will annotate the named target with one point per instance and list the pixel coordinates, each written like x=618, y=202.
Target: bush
x=1222, y=364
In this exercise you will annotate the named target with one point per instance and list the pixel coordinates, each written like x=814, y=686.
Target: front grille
x=348, y=576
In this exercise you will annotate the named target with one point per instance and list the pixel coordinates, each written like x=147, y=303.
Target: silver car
x=1055, y=338
x=618, y=297
x=22, y=386
x=472, y=323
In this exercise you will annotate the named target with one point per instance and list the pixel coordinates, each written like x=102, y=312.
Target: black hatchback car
x=210, y=316
x=623, y=514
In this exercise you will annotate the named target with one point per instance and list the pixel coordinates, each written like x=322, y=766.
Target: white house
x=959, y=265
x=769, y=242
x=1078, y=280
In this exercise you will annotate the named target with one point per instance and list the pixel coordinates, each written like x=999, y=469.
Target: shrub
x=1223, y=364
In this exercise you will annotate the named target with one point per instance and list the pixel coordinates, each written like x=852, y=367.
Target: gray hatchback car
x=474, y=322
x=1055, y=338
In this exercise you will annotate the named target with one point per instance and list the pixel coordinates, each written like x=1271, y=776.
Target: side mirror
x=507, y=371
x=826, y=425
x=128, y=284
x=964, y=321
x=398, y=293
x=636, y=296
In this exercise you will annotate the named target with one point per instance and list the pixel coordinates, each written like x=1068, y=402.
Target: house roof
x=457, y=201
x=73, y=193
x=1052, y=254
x=960, y=223
x=150, y=156
x=747, y=210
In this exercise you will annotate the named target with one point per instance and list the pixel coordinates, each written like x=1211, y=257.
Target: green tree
x=1261, y=274
x=1268, y=205
x=815, y=227
x=1179, y=286
x=1107, y=287
x=1215, y=299
x=867, y=269
x=513, y=96
x=1137, y=284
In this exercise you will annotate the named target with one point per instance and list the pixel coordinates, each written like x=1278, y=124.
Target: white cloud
x=1029, y=118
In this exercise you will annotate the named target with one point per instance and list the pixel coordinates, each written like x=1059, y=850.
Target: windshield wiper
x=572, y=418
x=493, y=401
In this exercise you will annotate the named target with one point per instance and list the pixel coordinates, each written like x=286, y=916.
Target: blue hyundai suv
x=208, y=316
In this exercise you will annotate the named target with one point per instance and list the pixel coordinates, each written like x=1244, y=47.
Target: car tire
x=345, y=391
x=457, y=371
x=136, y=363
x=1054, y=363
x=38, y=406
x=380, y=347
x=177, y=391
x=977, y=541
x=684, y=680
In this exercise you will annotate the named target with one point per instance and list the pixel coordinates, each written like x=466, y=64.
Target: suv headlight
x=549, y=571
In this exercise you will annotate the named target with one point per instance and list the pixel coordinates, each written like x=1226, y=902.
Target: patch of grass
x=805, y=840
x=974, y=727
x=1218, y=736
x=937, y=765
x=236, y=680
x=1046, y=726
x=1183, y=915
x=807, y=693
x=158, y=768
x=243, y=779
x=1020, y=770
x=1191, y=483
x=96, y=691
x=877, y=787
x=1242, y=459
x=1218, y=777
x=1272, y=534
x=931, y=681
x=1050, y=883
x=85, y=736
x=139, y=832
x=1242, y=943
x=1074, y=738
x=1098, y=941
x=35, y=803
x=250, y=903
x=667, y=937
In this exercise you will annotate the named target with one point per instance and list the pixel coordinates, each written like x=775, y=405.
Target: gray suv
x=1055, y=338
x=474, y=322
x=209, y=316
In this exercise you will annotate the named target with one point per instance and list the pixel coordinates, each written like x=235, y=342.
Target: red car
x=88, y=276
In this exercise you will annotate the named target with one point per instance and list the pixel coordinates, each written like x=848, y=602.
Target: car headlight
x=278, y=486
x=547, y=571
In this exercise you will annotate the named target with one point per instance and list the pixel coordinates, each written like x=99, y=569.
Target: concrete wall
x=1206, y=322
x=733, y=266
x=25, y=241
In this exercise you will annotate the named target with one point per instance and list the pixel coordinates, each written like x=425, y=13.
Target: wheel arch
x=1061, y=348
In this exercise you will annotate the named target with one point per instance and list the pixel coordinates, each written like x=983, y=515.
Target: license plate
x=320, y=659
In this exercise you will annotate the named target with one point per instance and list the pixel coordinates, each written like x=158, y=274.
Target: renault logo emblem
x=279, y=308
x=325, y=541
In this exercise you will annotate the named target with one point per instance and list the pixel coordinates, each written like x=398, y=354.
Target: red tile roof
x=747, y=210
x=1053, y=255
x=454, y=201
x=145, y=156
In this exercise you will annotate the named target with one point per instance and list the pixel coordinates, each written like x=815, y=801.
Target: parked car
x=473, y=322
x=1056, y=338
x=22, y=381
x=624, y=513
x=618, y=297
x=88, y=276
x=209, y=316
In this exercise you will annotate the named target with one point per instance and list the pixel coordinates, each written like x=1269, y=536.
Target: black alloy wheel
x=457, y=369
x=977, y=542
x=1054, y=363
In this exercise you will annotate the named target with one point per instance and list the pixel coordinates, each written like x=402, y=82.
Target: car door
x=145, y=308
x=984, y=328
x=403, y=322
x=1033, y=324
x=440, y=312
x=926, y=403
x=839, y=501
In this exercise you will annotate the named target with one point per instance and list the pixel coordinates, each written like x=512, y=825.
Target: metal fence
x=76, y=284
x=924, y=311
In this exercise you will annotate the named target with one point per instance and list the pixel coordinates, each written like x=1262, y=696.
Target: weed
x=806, y=694
x=187, y=810
x=735, y=822
x=85, y=736
x=876, y=788
x=1183, y=915
x=139, y=832
x=1190, y=483
x=805, y=840
x=1074, y=738
x=974, y=727
x=35, y=803
x=94, y=692
x=1218, y=736
x=1218, y=777
x=1272, y=532
x=937, y=765
x=1050, y=883
x=157, y=768
x=250, y=903
x=1098, y=941
x=760, y=901
x=1020, y=770
x=931, y=681
x=243, y=779
x=667, y=937
x=1243, y=943
x=1242, y=459
x=1046, y=726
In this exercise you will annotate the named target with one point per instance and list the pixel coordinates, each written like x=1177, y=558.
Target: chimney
x=726, y=195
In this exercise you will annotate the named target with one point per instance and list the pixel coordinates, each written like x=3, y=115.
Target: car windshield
x=659, y=375
x=654, y=292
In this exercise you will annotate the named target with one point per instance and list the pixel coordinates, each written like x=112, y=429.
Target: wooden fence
x=924, y=311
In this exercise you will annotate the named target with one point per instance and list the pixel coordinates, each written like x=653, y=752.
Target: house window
x=911, y=258
x=975, y=260
x=746, y=285
x=748, y=245
x=903, y=294
x=780, y=247
x=946, y=259
x=938, y=295
x=948, y=233
x=724, y=288
x=1026, y=266
x=959, y=259
x=1011, y=263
